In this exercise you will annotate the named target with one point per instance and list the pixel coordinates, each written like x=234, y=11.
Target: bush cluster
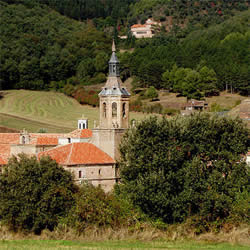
x=192, y=166
x=171, y=170
x=37, y=195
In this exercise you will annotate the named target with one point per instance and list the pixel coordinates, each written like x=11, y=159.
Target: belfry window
x=124, y=110
x=114, y=109
x=23, y=140
x=104, y=110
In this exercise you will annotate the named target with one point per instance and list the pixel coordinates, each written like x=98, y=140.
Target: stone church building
x=89, y=154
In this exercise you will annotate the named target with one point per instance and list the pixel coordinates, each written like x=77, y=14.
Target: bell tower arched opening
x=114, y=109
x=124, y=110
x=104, y=106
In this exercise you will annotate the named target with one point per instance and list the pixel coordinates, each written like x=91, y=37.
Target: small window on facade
x=124, y=110
x=69, y=140
x=104, y=110
x=80, y=125
x=83, y=126
x=113, y=68
x=99, y=171
x=23, y=139
x=80, y=174
x=114, y=109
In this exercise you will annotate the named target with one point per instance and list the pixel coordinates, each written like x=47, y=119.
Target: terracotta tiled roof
x=138, y=26
x=47, y=141
x=9, y=138
x=80, y=133
x=36, y=138
x=5, y=152
x=86, y=133
x=78, y=153
x=2, y=161
x=195, y=103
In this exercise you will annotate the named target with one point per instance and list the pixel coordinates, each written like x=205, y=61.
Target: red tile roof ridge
x=59, y=146
x=81, y=133
x=10, y=133
x=139, y=25
x=69, y=155
x=78, y=153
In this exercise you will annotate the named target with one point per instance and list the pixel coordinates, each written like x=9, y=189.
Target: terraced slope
x=34, y=110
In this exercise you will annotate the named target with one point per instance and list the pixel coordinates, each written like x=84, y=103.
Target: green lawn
x=57, y=244
x=39, y=109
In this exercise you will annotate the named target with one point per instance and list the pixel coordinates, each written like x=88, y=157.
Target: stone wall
x=98, y=175
x=108, y=140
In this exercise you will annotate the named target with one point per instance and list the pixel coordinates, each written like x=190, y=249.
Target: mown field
x=60, y=244
x=55, y=112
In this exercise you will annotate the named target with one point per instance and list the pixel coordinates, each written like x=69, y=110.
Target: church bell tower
x=114, y=111
x=114, y=99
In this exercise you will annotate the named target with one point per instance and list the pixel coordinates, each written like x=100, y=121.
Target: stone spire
x=113, y=84
x=113, y=46
x=114, y=63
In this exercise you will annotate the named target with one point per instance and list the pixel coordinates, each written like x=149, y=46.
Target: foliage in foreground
x=174, y=169
x=34, y=195
x=94, y=207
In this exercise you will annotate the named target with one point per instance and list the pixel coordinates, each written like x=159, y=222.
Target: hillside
x=55, y=112
x=68, y=56
x=41, y=49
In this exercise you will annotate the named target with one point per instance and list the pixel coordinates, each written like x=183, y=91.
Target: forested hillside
x=202, y=47
x=205, y=61
x=39, y=47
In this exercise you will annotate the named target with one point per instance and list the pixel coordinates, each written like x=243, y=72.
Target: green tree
x=151, y=93
x=101, y=62
x=187, y=166
x=34, y=194
x=94, y=207
x=85, y=69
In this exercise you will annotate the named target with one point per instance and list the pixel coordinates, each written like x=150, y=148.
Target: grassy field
x=55, y=112
x=57, y=244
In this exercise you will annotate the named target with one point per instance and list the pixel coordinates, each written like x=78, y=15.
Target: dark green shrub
x=190, y=166
x=151, y=93
x=68, y=89
x=171, y=111
x=34, y=195
x=94, y=207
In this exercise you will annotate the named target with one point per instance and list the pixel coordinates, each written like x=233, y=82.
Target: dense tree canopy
x=189, y=166
x=41, y=49
x=34, y=195
x=204, y=60
x=38, y=46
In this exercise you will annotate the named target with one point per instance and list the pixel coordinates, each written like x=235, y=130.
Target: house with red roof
x=90, y=155
x=146, y=30
x=86, y=162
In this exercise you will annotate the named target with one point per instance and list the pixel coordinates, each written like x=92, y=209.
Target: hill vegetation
x=195, y=58
x=39, y=47
x=201, y=64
